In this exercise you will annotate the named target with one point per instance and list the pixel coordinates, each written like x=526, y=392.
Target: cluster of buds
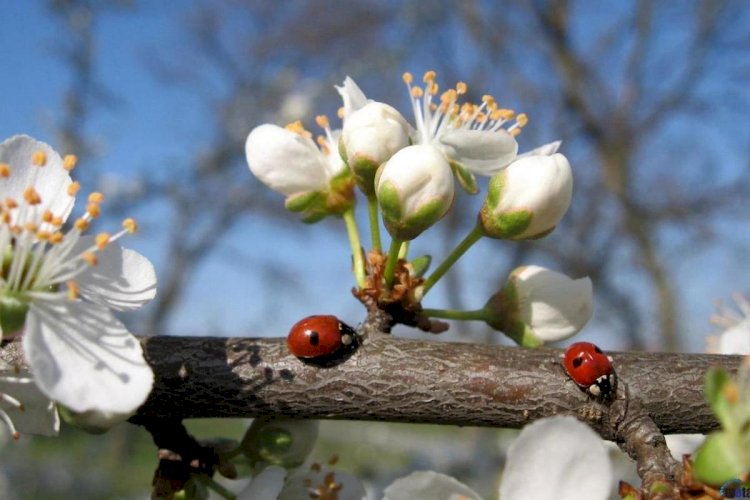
x=407, y=172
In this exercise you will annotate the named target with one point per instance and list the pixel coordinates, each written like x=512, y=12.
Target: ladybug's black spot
x=314, y=337
x=597, y=350
x=577, y=362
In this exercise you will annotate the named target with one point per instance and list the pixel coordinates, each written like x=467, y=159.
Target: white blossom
x=429, y=484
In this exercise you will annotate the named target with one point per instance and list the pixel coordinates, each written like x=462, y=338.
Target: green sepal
x=302, y=202
x=721, y=457
x=13, y=310
x=504, y=226
x=420, y=265
x=364, y=170
x=717, y=383
x=465, y=178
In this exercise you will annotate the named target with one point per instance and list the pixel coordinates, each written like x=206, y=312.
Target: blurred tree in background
x=650, y=100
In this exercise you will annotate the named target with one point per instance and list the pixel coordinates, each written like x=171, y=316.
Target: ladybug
x=590, y=368
x=322, y=339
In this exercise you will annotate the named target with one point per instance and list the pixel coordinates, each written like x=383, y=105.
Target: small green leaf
x=420, y=265
x=721, y=457
x=304, y=201
x=717, y=383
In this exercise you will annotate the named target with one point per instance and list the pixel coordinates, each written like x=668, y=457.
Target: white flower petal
x=544, y=150
x=265, y=486
x=85, y=358
x=429, y=485
x=557, y=457
x=736, y=339
x=374, y=132
x=483, y=152
x=38, y=414
x=683, y=444
x=52, y=180
x=554, y=305
x=352, y=96
x=122, y=279
x=285, y=161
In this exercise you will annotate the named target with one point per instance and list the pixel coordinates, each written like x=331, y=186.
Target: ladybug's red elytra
x=321, y=338
x=590, y=368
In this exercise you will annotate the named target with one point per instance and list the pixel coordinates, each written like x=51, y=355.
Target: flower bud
x=528, y=198
x=414, y=189
x=280, y=441
x=537, y=306
x=371, y=135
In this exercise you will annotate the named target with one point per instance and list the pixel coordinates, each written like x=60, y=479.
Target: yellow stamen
x=73, y=188
x=57, y=221
x=56, y=238
x=506, y=114
x=69, y=162
x=5, y=218
x=322, y=121
x=102, y=240
x=4, y=170
x=433, y=88
x=408, y=78
x=341, y=112
x=31, y=227
x=515, y=132
x=47, y=216
x=11, y=203
x=81, y=224
x=39, y=158
x=94, y=210
x=429, y=76
x=31, y=196
x=461, y=88
x=43, y=235
x=90, y=258
x=130, y=225
x=522, y=120
x=96, y=197
x=323, y=144
x=72, y=290
x=416, y=92
x=298, y=128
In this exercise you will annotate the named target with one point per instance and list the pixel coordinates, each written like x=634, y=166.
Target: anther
x=96, y=197
x=4, y=170
x=56, y=238
x=130, y=225
x=39, y=158
x=522, y=120
x=461, y=88
x=429, y=76
x=10, y=203
x=298, y=128
x=47, y=216
x=57, y=221
x=69, y=162
x=322, y=121
x=73, y=188
x=94, y=209
x=408, y=78
x=31, y=196
x=341, y=112
x=102, y=240
x=31, y=227
x=81, y=224
x=90, y=258
x=72, y=290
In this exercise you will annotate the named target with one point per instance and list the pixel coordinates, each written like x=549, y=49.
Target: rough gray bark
x=399, y=380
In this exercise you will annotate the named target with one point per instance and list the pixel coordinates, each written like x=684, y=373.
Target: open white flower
x=576, y=466
x=537, y=306
x=429, y=484
x=57, y=287
x=735, y=335
x=479, y=138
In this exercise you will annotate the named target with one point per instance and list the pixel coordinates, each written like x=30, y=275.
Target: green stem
x=456, y=254
x=404, y=251
x=390, y=264
x=372, y=210
x=476, y=315
x=353, y=232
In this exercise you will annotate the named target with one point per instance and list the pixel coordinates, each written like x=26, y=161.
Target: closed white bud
x=415, y=190
x=527, y=199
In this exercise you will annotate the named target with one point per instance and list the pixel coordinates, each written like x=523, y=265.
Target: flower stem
x=353, y=232
x=390, y=264
x=475, y=315
x=404, y=251
x=456, y=254
x=372, y=210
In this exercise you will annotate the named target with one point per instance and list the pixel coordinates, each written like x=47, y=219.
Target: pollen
x=73, y=290
x=94, y=210
x=102, y=240
x=90, y=258
x=461, y=88
x=11, y=203
x=43, y=235
x=56, y=238
x=298, y=128
x=341, y=112
x=130, y=225
x=323, y=144
x=69, y=162
x=31, y=227
x=4, y=170
x=429, y=76
x=73, y=188
x=31, y=196
x=96, y=197
x=81, y=224
x=522, y=120
x=322, y=121
x=408, y=78
x=39, y=158
x=47, y=217
x=57, y=221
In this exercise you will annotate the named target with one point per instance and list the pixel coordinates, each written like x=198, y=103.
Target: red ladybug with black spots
x=591, y=369
x=322, y=339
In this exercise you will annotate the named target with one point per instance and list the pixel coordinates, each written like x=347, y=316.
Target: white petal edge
x=123, y=279
x=84, y=358
x=39, y=415
x=52, y=180
x=351, y=95
x=480, y=151
x=265, y=486
x=428, y=485
x=557, y=457
x=544, y=150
